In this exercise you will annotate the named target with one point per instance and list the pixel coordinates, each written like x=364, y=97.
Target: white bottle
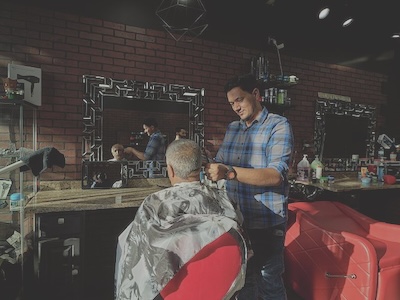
x=316, y=168
x=381, y=170
x=303, y=170
x=381, y=152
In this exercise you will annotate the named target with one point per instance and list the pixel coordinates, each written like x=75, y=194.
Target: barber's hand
x=128, y=150
x=216, y=171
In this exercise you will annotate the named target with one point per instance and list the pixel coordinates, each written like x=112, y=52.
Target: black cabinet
x=58, y=255
x=59, y=268
x=75, y=253
x=102, y=228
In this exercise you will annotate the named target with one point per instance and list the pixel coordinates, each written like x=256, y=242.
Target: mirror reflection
x=114, y=112
x=104, y=174
x=343, y=129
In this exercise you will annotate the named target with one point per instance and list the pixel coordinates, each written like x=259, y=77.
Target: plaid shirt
x=266, y=143
x=155, y=149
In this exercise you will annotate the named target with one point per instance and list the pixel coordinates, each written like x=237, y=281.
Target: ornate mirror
x=344, y=128
x=114, y=110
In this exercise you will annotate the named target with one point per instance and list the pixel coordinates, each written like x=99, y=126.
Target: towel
x=42, y=159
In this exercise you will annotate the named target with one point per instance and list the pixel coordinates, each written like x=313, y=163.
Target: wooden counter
x=77, y=199
x=377, y=200
x=351, y=184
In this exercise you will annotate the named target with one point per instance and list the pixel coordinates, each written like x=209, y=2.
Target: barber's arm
x=137, y=153
x=258, y=177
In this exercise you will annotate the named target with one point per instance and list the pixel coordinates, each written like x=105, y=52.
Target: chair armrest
x=346, y=242
x=385, y=231
x=319, y=257
x=381, y=230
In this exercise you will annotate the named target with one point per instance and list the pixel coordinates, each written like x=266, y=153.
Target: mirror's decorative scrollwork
x=147, y=169
x=342, y=108
x=98, y=88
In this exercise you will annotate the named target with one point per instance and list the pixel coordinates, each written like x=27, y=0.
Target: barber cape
x=169, y=228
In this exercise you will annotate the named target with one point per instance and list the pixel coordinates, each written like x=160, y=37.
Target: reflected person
x=255, y=157
x=171, y=226
x=155, y=148
x=180, y=133
x=117, y=151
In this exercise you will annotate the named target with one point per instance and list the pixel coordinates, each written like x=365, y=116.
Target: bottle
x=381, y=170
x=132, y=139
x=381, y=152
x=16, y=201
x=303, y=169
x=316, y=169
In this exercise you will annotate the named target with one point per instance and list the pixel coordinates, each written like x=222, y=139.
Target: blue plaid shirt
x=155, y=149
x=268, y=143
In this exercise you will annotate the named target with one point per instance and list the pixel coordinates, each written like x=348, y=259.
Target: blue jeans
x=264, y=270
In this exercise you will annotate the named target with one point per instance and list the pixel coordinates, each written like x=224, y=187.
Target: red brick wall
x=67, y=46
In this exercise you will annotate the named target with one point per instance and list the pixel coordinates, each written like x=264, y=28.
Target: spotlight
x=395, y=35
x=323, y=13
x=347, y=22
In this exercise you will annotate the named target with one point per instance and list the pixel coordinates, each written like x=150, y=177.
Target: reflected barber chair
x=335, y=252
x=216, y=272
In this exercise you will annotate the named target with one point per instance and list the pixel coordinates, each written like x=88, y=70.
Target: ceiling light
x=323, y=13
x=395, y=35
x=347, y=21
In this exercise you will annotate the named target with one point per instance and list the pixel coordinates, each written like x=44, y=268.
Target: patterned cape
x=169, y=228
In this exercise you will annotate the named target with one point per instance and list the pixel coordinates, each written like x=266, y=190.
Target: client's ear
x=171, y=172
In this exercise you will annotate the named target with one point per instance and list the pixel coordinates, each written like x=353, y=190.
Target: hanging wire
x=279, y=58
x=273, y=41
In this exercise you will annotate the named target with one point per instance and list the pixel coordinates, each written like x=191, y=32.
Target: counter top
x=353, y=184
x=78, y=199
x=55, y=197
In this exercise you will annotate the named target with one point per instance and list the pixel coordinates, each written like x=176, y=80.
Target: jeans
x=264, y=270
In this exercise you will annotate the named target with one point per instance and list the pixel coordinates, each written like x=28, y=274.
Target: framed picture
x=5, y=185
x=31, y=78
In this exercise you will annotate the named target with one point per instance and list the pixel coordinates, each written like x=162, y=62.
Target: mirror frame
x=343, y=108
x=97, y=88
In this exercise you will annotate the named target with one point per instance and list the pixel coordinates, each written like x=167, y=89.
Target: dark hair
x=150, y=122
x=178, y=128
x=246, y=82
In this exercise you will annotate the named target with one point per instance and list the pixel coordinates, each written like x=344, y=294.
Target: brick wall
x=67, y=46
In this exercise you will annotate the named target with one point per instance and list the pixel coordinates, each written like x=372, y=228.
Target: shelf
x=20, y=131
x=279, y=84
x=276, y=108
x=11, y=101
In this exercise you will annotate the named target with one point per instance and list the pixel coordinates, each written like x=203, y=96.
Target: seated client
x=171, y=226
x=117, y=151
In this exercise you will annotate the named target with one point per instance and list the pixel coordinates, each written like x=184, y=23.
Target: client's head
x=117, y=151
x=183, y=159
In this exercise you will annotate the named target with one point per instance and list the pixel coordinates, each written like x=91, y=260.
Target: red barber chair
x=335, y=252
x=214, y=273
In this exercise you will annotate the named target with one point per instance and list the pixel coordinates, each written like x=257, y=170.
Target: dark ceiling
x=365, y=44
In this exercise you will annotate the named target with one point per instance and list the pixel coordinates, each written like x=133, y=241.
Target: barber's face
x=148, y=129
x=244, y=103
